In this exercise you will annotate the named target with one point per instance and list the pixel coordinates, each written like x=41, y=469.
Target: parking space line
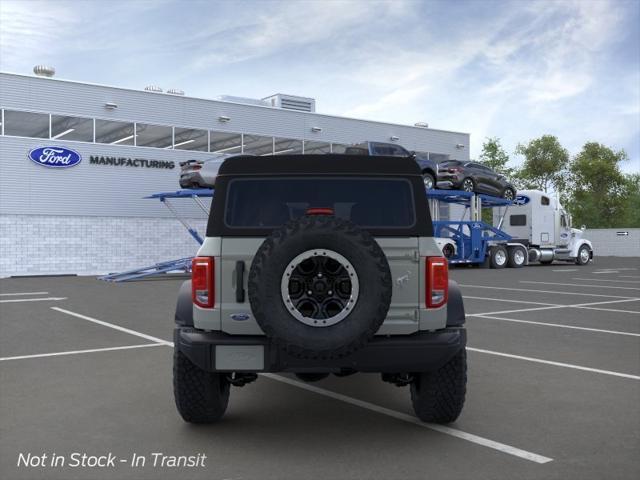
x=115, y=327
x=508, y=449
x=527, y=290
x=606, y=280
x=23, y=293
x=556, y=364
x=580, y=285
x=75, y=352
x=578, y=305
x=629, y=276
x=566, y=270
x=559, y=325
x=47, y=299
x=509, y=301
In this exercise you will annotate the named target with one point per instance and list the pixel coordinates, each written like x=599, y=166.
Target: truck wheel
x=517, y=257
x=499, y=257
x=438, y=396
x=584, y=255
x=201, y=396
x=320, y=287
x=429, y=181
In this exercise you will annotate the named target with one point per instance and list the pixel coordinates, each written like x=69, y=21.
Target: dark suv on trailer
x=319, y=264
x=474, y=177
x=428, y=167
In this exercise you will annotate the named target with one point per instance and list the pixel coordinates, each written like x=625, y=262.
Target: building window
x=71, y=128
x=257, y=145
x=338, y=148
x=157, y=136
x=287, y=146
x=191, y=139
x=115, y=133
x=311, y=148
x=227, y=143
x=26, y=124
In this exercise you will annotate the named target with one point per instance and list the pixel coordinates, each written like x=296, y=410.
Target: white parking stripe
x=23, y=293
x=629, y=276
x=115, y=327
x=485, y=442
x=466, y=297
x=580, y=285
x=75, y=352
x=606, y=280
x=47, y=299
x=544, y=291
x=556, y=364
x=605, y=271
x=566, y=270
x=559, y=325
x=578, y=305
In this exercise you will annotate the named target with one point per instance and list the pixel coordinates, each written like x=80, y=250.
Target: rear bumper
x=419, y=352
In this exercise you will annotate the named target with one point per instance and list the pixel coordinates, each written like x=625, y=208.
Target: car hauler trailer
x=537, y=229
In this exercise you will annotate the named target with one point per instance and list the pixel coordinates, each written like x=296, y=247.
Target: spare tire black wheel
x=320, y=287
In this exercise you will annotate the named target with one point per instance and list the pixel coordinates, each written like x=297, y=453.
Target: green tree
x=545, y=164
x=495, y=157
x=599, y=193
x=630, y=217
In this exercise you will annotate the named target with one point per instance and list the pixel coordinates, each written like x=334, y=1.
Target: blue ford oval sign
x=521, y=200
x=55, y=157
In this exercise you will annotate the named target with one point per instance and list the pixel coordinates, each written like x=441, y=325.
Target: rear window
x=450, y=163
x=368, y=202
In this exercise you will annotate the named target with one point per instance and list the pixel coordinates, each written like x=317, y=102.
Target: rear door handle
x=240, y=281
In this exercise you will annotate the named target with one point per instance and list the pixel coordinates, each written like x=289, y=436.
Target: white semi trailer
x=537, y=221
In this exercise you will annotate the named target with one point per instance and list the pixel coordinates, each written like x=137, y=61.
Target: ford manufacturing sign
x=55, y=157
x=521, y=200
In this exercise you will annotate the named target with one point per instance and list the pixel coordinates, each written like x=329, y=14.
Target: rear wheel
x=201, y=396
x=499, y=257
x=468, y=185
x=517, y=257
x=508, y=194
x=438, y=396
x=429, y=181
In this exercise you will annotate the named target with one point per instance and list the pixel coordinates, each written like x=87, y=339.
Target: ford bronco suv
x=316, y=265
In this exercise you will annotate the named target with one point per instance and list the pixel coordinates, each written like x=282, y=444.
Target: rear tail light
x=437, y=281
x=455, y=170
x=202, y=282
x=320, y=211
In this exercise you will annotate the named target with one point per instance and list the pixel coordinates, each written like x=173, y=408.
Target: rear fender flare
x=455, y=306
x=184, y=306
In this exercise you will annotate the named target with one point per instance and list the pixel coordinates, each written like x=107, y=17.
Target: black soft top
x=331, y=163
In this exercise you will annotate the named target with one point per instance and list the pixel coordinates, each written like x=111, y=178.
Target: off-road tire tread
x=198, y=394
x=438, y=397
x=367, y=243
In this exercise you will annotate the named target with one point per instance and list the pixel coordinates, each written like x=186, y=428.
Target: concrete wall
x=612, y=241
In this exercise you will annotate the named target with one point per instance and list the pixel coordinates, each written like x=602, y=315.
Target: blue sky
x=511, y=69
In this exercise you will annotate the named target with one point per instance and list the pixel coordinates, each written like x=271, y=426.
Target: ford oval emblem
x=521, y=200
x=240, y=317
x=55, y=157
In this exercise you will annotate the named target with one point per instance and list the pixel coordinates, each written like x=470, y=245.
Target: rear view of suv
x=319, y=265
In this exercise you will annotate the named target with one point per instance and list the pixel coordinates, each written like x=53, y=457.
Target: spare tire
x=320, y=287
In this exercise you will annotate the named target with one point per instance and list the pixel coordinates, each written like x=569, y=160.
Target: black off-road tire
x=201, y=396
x=320, y=232
x=438, y=397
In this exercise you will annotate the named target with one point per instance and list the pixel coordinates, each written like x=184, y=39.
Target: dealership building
x=88, y=215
